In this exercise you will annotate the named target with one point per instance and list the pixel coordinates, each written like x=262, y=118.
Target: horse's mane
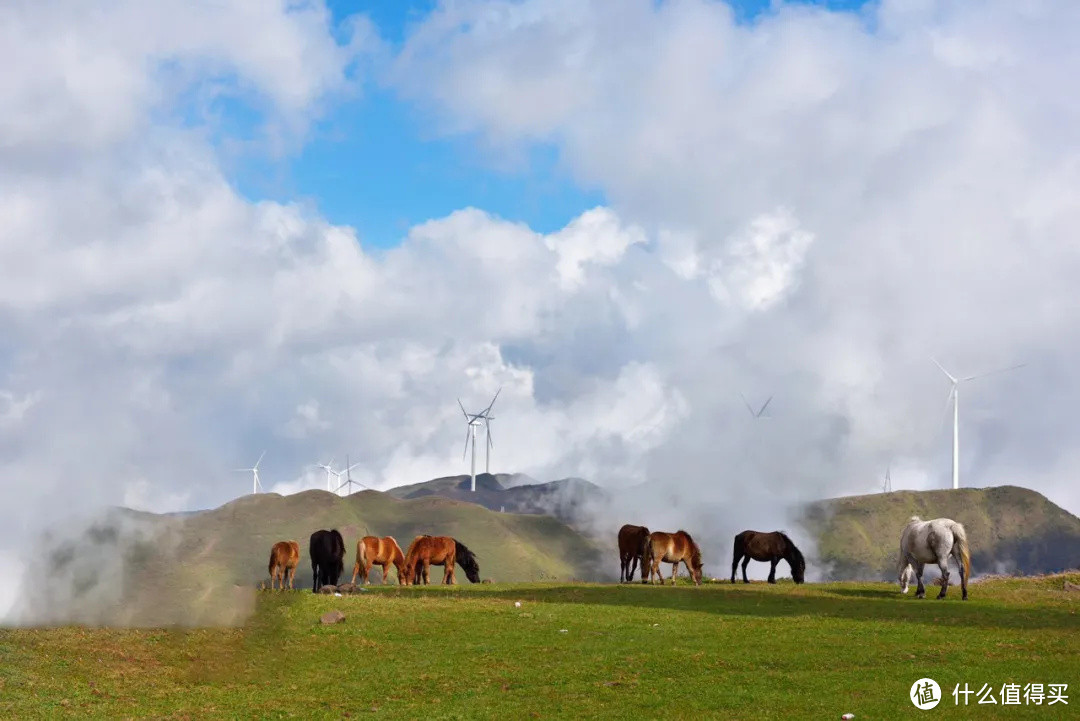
x=914, y=519
x=688, y=536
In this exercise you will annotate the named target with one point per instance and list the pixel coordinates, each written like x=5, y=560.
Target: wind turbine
x=886, y=485
x=954, y=396
x=474, y=420
x=329, y=472
x=255, y=485
x=758, y=413
x=348, y=477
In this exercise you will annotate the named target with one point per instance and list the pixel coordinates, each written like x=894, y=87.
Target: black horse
x=769, y=547
x=327, y=551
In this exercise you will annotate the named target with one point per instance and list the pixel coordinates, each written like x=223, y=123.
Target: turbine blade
x=746, y=403
x=462, y=409
x=488, y=409
x=947, y=373
x=260, y=459
x=468, y=431
x=353, y=466
x=491, y=443
x=994, y=372
x=764, y=407
x=945, y=410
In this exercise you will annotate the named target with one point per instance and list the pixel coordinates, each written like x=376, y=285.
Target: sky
x=240, y=226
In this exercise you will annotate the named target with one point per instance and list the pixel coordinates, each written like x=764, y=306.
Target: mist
x=806, y=207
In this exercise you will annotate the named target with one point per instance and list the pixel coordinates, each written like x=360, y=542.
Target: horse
x=631, y=550
x=769, y=547
x=372, y=550
x=284, y=557
x=426, y=551
x=673, y=548
x=327, y=551
x=923, y=542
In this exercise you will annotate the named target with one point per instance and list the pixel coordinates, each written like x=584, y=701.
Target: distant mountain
x=569, y=500
x=1009, y=529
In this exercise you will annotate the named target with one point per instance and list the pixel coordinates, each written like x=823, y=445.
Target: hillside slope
x=134, y=568
x=1010, y=530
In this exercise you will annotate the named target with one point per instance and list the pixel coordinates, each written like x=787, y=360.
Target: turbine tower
x=886, y=485
x=329, y=472
x=255, y=484
x=758, y=413
x=954, y=396
x=348, y=478
x=474, y=420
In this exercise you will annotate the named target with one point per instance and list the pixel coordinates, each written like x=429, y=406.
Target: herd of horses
x=921, y=543
x=638, y=545
x=326, y=550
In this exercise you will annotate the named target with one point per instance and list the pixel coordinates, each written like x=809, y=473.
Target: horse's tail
x=960, y=541
x=467, y=560
x=270, y=568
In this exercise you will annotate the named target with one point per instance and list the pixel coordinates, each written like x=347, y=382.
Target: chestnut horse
x=673, y=548
x=284, y=557
x=372, y=550
x=426, y=551
x=631, y=550
x=769, y=547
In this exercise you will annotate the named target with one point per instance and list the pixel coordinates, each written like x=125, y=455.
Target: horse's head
x=696, y=565
x=905, y=576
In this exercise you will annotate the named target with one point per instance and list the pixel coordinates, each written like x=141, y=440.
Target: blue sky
x=379, y=165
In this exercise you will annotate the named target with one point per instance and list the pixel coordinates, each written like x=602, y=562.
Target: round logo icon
x=925, y=694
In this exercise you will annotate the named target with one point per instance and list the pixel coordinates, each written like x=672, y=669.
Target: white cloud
x=168, y=330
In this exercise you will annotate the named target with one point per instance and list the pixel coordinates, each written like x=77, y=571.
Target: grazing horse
x=923, y=542
x=673, y=548
x=284, y=557
x=631, y=550
x=327, y=551
x=426, y=551
x=769, y=547
x=372, y=550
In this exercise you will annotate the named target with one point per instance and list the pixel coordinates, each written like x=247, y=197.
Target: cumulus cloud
x=806, y=207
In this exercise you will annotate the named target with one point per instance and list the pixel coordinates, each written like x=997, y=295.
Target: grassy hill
x=143, y=569
x=568, y=651
x=1010, y=530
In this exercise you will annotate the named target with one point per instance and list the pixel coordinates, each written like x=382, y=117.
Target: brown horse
x=284, y=557
x=372, y=550
x=631, y=550
x=673, y=548
x=769, y=547
x=427, y=551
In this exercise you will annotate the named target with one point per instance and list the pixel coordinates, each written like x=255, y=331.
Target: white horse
x=934, y=541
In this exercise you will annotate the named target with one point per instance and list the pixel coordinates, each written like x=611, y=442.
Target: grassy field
x=569, y=651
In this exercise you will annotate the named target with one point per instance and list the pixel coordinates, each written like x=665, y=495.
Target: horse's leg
x=735, y=565
x=292, y=577
x=920, y=590
x=963, y=576
x=943, y=564
x=674, y=572
x=745, y=563
x=658, y=569
x=772, y=569
x=427, y=572
x=314, y=577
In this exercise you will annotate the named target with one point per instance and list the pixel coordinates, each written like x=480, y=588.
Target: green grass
x=719, y=651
